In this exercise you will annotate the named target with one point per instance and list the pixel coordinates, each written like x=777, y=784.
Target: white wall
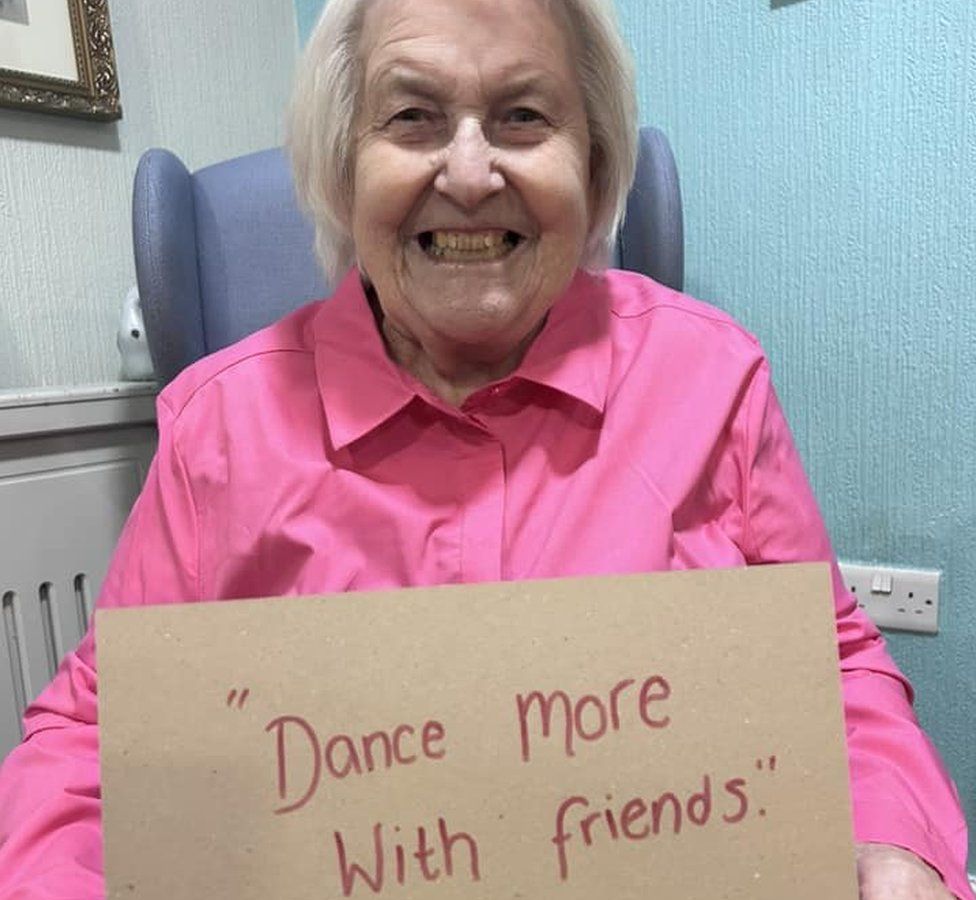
x=206, y=80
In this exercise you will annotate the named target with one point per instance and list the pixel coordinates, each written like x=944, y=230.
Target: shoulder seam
x=716, y=319
x=198, y=555
x=226, y=368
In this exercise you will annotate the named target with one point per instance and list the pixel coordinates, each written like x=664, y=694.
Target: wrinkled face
x=472, y=180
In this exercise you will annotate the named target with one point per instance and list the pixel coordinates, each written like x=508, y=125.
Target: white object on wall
x=131, y=340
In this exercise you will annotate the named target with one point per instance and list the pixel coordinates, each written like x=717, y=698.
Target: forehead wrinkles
x=410, y=36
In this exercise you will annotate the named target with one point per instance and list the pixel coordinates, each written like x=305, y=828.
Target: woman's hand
x=885, y=872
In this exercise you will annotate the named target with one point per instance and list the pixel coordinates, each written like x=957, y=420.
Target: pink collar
x=361, y=387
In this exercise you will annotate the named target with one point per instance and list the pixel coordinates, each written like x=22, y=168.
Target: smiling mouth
x=468, y=246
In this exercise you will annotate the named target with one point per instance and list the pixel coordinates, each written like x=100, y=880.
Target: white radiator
x=71, y=464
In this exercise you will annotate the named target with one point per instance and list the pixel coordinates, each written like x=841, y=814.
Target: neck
x=454, y=373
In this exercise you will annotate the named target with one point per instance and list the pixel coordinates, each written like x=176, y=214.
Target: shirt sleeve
x=901, y=792
x=50, y=793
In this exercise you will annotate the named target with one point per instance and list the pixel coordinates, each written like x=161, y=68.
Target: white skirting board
x=71, y=465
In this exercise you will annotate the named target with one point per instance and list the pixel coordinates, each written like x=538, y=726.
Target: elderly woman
x=479, y=400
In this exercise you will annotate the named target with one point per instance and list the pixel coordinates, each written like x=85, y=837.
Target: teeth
x=455, y=245
x=467, y=241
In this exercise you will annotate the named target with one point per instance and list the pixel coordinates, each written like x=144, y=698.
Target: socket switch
x=902, y=599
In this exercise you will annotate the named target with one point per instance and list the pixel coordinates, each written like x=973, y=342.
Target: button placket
x=482, y=504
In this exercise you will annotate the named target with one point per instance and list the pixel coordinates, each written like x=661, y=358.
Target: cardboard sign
x=667, y=736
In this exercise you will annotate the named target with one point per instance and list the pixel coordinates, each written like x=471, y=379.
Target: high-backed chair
x=225, y=251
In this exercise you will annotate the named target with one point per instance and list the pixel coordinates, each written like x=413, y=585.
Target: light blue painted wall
x=828, y=156
x=306, y=12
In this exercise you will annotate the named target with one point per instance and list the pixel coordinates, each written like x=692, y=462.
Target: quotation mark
x=769, y=763
x=241, y=698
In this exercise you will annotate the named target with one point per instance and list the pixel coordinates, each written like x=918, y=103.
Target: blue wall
x=828, y=156
x=307, y=11
x=827, y=150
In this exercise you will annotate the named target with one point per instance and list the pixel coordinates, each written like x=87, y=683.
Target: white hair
x=324, y=106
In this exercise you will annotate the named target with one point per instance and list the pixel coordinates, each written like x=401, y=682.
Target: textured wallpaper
x=206, y=80
x=828, y=155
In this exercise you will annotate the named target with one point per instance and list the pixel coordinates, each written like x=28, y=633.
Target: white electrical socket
x=903, y=599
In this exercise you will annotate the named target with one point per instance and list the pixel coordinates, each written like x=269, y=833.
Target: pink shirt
x=640, y=433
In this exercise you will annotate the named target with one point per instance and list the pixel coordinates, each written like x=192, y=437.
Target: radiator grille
x=29, y=652
x=15, y=652
x=58, y=527
x=71, y=464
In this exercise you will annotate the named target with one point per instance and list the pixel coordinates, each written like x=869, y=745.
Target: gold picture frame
x=58, y=57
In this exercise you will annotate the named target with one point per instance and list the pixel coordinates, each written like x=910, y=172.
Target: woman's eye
x=412, y=115
x=523, y=115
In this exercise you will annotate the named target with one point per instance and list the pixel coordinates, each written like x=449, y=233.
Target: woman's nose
x=468, y=175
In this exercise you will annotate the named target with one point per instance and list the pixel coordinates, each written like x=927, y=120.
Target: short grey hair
x=321, y=122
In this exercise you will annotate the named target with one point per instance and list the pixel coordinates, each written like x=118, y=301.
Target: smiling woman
x=472, y=195
x=480, y=400
x=326, y=102
x=474, y=174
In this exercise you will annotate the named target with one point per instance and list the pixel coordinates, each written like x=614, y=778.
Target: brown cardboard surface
x=708, y=700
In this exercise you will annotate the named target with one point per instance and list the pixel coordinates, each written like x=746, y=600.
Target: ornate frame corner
x=95, y=95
